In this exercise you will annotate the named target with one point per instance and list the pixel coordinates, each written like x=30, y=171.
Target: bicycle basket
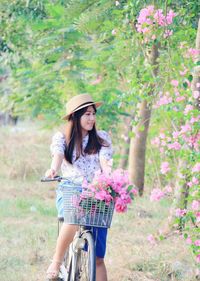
x=82, y=209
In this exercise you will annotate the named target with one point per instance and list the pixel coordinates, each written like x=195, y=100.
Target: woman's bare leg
x=101, y=273
x=65, y=237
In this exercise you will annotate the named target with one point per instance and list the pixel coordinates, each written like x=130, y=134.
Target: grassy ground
x=28, y=227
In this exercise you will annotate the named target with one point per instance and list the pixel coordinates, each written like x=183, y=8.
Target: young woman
x=81, y=150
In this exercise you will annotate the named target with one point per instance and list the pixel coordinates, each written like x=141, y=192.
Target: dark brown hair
x=94, y=141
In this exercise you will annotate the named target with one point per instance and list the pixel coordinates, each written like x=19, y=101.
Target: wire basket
x=81, y=208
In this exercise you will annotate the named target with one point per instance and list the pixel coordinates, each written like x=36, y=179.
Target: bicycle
x=81, y=209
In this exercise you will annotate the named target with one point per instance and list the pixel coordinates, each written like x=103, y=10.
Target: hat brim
x=97, y=104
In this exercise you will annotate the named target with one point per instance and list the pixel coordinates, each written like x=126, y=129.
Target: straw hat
x=79, y=102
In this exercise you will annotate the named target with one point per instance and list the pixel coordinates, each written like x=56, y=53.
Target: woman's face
x=88, y=119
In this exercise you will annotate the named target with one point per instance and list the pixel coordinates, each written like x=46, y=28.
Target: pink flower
x=196, y=168
x=170, y=16
x=156, y=194
x=145, y=30
x=155, y=141
x=198, y=217
x=144, y=15
x=194, y=120
x=167, y=33
x=168, y=189
x=195, y=181
x=195, y=205
x=189, y=241
x=196, y=94
x=103, y=195
x=198, y=85
x=120, y=206
x=164, y=168
x=134, y=191
x=180, y=213
x=198, y=258
x=197, y=243
x=190, y=184
x=192, y=140
x=176, y=145
x=162, y=136
x=151, y=239
x=124, y=196
x=193, y=52
x=175, y=135
x=174, y=83
x=108, y=186
x=159, y=17
x=188, y=108
x=149, y=16
x=161, y=150
x=186, y=128
x=180, y=98
x=163, y=101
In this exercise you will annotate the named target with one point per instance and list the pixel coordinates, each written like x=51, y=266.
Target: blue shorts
x=99, y=233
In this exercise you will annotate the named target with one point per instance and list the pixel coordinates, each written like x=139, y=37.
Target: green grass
x=20, y=207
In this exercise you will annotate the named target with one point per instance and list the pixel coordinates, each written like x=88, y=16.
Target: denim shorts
x=99, y=233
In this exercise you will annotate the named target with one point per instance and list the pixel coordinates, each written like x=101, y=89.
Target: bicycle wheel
x=86, y=260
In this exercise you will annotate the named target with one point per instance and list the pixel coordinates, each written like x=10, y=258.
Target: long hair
x=94, y=141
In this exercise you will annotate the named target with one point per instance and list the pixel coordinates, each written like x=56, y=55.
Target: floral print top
x=86, y=165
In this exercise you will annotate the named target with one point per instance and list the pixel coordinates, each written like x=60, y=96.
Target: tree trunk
x=138, y=144
x=180, y=196
x=7, y=119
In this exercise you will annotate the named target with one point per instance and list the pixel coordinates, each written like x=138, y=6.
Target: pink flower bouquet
x=112, y=187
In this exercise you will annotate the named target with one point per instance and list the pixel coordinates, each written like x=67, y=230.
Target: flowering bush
x=111, y=187
x=181, y=145
x=149, y=21
x=176, y=102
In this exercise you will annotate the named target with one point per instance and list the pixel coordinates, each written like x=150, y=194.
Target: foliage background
x=52, y=50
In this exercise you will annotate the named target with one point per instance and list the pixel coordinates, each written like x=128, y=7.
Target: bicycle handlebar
x=58, y=179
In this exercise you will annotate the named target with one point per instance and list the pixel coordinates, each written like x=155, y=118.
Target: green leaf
x=190, y=78
x=185, y=85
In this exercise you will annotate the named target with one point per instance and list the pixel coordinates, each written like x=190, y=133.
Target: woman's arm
x=57, y=148
x=106, y=165
x=106, y=152
x=55, y=165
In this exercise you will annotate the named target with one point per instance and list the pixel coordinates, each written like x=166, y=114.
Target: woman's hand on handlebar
x=51, y=173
